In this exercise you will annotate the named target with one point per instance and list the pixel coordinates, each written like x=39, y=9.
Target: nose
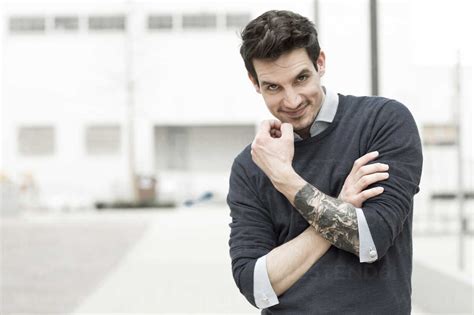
x=292, y=99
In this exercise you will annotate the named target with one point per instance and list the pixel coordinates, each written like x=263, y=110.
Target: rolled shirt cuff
x=367, y=250
x=262, y=289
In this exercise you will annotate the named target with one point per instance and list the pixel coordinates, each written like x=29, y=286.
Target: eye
x=302, y=78
x=272, y=87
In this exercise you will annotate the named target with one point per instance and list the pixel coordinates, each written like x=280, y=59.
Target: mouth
x=297, y=113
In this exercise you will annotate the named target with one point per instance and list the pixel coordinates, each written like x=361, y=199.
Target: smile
x=297, y=113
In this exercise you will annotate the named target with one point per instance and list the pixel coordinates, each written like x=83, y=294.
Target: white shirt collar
x=326, y=113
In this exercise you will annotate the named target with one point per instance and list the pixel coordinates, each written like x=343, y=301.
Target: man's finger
x=287, y=131
x=368, y=180
x=364, y=160
x=372, y=168
x=275, y=124
x=370, y=193
x=266, y=127
x=276, y=133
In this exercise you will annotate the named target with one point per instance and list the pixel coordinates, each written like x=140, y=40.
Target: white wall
x=72, y=80
x=195, y=78
x=345, y=38
x=419, y=45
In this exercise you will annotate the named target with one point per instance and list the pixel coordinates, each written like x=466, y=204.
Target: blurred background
x=120, y=121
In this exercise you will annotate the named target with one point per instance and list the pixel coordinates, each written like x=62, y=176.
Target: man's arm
x=333, y=218
x=287, y=263
x=396, y=135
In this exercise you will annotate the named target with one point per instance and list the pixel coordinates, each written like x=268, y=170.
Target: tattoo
x=334, y=219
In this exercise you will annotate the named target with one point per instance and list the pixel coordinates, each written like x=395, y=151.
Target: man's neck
x=305, y=132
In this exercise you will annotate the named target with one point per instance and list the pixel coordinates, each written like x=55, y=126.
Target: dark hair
x=276, y=32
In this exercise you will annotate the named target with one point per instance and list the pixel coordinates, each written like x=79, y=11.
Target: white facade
x=189, y=85
x=71, y=80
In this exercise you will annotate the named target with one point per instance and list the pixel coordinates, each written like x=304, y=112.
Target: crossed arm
x=333, y=221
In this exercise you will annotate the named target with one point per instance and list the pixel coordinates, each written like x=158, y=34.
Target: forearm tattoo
x=334, y=219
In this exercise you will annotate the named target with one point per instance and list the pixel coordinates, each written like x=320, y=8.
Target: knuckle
x=257, y=142
x=373, y=177
x=357, y=162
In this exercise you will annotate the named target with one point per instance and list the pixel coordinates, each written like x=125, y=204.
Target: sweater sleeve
x=395, y=136
x=251, y=234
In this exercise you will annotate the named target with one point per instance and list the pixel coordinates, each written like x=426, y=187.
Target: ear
x=321, y=62
x=254, y=82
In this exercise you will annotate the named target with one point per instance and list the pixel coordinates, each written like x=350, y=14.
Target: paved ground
x=135, y=262
x=50, y=264
x=180, y=265
x=148, y=261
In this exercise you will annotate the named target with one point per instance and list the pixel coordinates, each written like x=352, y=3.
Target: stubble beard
x=310, y=120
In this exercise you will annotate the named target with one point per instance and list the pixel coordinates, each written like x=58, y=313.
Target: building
x=95, y=91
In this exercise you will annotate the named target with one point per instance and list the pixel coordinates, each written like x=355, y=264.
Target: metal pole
x=130, y=90
x=459, y=153
x=316, y=15
x=374, y=54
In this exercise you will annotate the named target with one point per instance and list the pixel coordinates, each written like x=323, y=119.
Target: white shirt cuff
x=367, y=250
x=262, y=288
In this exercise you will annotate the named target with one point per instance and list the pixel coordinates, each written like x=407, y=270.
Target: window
x=200, y=148
x=199, y=21
x=171, y=147
x=66, y=23
x=36, y=140
x=213, y=148
x=159, y=22
x=107, y=23
x=103, y=140
x=177, y=145
x=23, y=24
x=234, y=20
x=439, y=134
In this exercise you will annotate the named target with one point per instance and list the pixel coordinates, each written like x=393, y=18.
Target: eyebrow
x=305, y=71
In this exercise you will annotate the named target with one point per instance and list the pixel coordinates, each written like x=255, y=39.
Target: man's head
x=277, y=32
x=285, y=63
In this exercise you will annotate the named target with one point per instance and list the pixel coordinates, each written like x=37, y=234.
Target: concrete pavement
x=177, y=267
x=50, y=263
x=133, y=261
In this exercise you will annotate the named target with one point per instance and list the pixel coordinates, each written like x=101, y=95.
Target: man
x=295, y=247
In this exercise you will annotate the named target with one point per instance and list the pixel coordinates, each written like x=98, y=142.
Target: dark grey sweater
x=262, y=218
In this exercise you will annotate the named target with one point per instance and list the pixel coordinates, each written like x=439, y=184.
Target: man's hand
x=273, y=149
x=335, y=219
x=360, y=177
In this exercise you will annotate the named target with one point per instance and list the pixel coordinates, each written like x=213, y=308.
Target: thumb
x=287, y=131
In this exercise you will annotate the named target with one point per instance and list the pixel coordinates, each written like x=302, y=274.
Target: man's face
x=291, y=87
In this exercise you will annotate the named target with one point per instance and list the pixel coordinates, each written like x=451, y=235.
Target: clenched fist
x=273, y=149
